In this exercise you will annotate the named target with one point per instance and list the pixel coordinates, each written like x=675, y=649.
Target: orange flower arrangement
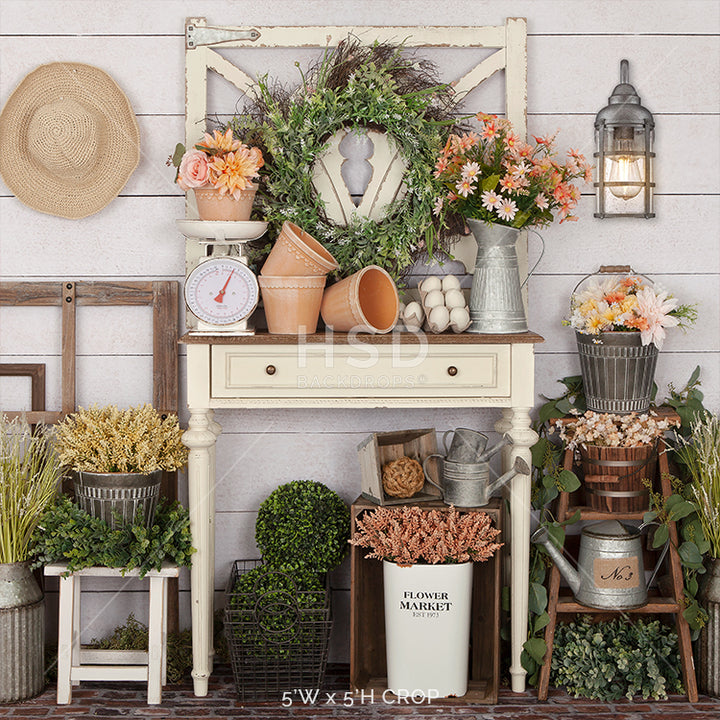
x=219, y=161
x=492, y=175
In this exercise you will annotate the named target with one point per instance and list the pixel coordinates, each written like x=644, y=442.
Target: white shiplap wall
x=574, y=50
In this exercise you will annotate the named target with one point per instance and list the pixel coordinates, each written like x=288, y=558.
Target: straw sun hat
x=69, y=140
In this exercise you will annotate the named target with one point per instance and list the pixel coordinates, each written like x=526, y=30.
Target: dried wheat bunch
x=408, y=535
x=110, y=440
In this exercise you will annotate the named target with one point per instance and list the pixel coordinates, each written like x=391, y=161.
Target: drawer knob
x=452, y=371
x=270, y=369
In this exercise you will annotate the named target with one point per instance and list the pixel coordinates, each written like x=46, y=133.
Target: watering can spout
x=572, y=577
x=505, y=440
x=520, y=467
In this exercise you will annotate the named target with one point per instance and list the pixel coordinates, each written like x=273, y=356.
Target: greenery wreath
x=359, y=87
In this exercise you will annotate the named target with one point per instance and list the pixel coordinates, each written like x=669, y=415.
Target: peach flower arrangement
x=218, y=161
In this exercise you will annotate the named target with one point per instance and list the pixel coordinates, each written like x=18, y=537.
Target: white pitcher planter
x=427, y=628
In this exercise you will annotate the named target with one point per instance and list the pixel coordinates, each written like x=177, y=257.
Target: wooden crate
x=368, y=666
x=382, y=448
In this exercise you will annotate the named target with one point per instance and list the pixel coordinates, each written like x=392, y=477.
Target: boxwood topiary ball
x=303, y=524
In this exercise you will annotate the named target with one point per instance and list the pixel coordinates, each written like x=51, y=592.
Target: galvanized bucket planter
x=617, y=371
x=708, y=646
x=22, y=633
x=118, y=498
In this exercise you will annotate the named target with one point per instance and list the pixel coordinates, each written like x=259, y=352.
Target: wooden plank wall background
x=574, y=51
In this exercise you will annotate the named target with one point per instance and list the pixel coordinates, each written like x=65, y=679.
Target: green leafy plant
x=700, y=454
x=271, y=613
x=67, y=533
x=607, y=660
x=29, y=478
x=135, y=440
x=303, y=525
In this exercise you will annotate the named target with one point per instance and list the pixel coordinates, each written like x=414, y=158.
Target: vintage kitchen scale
x=221, y=290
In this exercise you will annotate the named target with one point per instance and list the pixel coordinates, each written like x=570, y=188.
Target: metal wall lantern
x=624, y=134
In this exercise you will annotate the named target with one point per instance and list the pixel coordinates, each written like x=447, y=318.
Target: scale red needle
x=221, y=295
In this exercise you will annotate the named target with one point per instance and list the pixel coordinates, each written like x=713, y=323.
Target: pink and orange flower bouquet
x=218, y=161
x=492, y=175
x=628, y=303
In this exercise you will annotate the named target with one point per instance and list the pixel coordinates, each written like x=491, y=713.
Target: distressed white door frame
x=510, y=42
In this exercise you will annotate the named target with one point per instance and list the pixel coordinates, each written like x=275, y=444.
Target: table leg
x=516, y=422
x=200, y=439
x=216, y=430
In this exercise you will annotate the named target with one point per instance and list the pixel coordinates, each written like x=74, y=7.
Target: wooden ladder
x=565, y=604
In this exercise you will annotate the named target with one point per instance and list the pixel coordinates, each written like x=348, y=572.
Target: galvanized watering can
x=469, y=484
x=610, y=572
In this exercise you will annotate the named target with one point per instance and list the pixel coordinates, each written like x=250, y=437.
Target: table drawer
x=360, y=370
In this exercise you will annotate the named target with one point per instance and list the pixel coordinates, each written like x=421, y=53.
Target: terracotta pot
x=212, y=205
x=292, y=304
x=365, y=302
x=296, y=253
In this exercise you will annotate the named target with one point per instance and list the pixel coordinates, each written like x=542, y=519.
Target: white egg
x=413, y=315
x=454, y=299
x=430, y=283
x=450, y=282
x=434, y=298
x=459, y=319
x=438, y=319
x=401, y=308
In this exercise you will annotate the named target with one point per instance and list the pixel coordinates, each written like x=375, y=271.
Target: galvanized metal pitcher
x=496, y=304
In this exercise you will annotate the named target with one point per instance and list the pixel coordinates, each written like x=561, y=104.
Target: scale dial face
x=221, y=291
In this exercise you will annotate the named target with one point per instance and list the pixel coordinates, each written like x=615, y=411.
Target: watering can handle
x=445, y=442
x=542, y=252
x=427, y=474
x=662, y=553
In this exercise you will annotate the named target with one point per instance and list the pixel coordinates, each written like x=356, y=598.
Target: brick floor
x=128, y=700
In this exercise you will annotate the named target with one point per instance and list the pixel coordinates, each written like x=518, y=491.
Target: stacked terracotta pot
x=292, y=282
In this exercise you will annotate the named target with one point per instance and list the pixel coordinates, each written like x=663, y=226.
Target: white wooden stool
x=74, y=664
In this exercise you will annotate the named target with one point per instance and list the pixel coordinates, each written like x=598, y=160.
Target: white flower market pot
x=427, y=628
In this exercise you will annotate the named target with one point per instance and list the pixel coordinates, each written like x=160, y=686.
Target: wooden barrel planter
x=616, y=478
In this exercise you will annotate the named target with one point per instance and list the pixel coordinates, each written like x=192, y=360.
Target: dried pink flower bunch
x=408, y=535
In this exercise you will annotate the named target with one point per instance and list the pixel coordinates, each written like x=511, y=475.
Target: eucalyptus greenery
x=357, y=87
x=607, y=660
x=67, y=533
x=303, y=525
x=29, y=478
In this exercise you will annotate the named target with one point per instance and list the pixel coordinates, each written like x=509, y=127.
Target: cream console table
x=397, y=370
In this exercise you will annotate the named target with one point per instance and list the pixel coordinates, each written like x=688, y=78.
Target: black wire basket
x=277, y=626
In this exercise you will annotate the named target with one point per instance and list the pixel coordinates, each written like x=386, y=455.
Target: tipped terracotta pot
x=296, y=253
x=292, y=304
x=212, y=205
x=366, y=302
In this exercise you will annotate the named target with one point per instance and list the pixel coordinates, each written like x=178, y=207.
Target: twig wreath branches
x=358, y=87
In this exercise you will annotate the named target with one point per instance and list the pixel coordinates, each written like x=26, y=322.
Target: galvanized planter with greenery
x=29, y=477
